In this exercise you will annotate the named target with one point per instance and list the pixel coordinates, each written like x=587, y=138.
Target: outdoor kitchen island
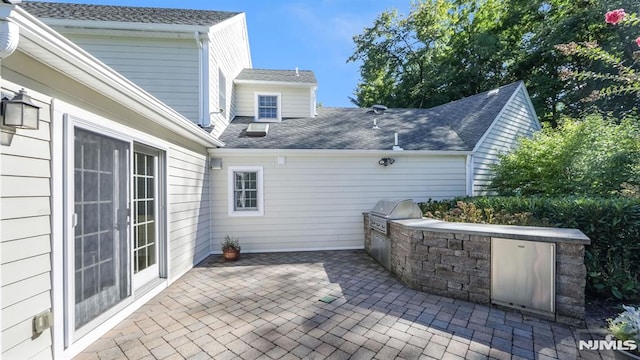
x=455, y=260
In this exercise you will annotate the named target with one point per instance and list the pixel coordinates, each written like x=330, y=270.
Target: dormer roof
x=276, y=76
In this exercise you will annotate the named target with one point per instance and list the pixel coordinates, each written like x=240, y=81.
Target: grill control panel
x=378, y=223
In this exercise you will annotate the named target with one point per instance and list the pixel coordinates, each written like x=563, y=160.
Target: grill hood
x=394, y=209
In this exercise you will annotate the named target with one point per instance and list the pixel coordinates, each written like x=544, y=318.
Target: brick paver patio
x=266, y=306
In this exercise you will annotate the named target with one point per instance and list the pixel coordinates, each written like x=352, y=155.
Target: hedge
x=612, y=224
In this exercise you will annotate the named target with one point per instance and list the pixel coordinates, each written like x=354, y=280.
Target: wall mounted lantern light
x=20, y=112
x=386, y=161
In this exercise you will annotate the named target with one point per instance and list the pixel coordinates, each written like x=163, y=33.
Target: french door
x=114, y=202
x=145, y=219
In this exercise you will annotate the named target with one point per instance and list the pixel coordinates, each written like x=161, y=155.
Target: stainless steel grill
x=388, y=209
x=379, y=217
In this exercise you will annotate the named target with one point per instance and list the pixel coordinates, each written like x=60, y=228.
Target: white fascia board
x=134, y=29
x=325, y=152
x=495, y=120
x=51, y=48
x=71, y=30
x=278, y=83
x=125, y=26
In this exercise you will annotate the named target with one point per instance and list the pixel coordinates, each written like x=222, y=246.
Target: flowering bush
x=614, y=16
x=624, y=79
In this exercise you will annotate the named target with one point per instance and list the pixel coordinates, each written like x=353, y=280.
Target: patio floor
x=266, y=306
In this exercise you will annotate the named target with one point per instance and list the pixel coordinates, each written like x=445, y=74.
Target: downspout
x=210, y=152
x=201, y=119
x=469, y=175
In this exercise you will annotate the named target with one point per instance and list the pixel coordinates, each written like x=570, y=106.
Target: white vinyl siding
x=295, y=101
x=517, y=120
x=228, y=55
x=25, y=245
x=166, y=68
x=316, y=202
x=189, y=215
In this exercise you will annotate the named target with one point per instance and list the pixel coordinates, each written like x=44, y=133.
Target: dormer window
x=268, y=107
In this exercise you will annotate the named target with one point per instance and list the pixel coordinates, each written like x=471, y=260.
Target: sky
x=285, y=34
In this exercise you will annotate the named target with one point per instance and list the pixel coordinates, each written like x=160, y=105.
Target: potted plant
x=231, y=248
x=626, y=329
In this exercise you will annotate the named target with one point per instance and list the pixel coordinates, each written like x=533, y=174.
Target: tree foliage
x=594, y=156
x=448, y=49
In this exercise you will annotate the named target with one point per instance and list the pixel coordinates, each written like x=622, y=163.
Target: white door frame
x=70, y=336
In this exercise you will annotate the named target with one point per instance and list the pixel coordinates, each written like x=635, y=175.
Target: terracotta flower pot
x=231, y=255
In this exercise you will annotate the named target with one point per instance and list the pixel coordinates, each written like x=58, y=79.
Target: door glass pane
x=144, y=221
x=101, y=261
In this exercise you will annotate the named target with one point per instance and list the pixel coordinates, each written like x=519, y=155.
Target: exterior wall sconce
x=386, y=161
x=20, y=112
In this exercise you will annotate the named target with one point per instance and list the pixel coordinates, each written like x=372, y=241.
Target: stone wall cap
x=530, y=233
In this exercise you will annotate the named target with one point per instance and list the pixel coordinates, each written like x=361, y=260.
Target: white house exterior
x=316, y=175
x=102, y=207
x=119, y=192
x=186, y=58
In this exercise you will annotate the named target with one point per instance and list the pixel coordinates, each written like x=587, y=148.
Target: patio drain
x=327, y=299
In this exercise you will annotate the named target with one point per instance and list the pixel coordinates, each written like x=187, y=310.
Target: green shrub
x=612, y=224
x=594, y=156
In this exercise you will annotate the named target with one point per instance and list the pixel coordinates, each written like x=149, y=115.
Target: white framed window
x=268, y=107
x=246, y=191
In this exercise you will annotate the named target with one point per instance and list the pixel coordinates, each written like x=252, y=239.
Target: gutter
x=37, y=39
x=325, y=152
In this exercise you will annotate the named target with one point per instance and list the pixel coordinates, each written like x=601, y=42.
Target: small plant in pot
x=231, y=248
x=626, y=329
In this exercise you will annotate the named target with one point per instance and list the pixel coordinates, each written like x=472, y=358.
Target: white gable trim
x=531, y=108
x=497, y=118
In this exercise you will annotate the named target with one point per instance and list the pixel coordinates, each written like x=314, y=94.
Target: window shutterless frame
x=268, y=107
x=245, y=190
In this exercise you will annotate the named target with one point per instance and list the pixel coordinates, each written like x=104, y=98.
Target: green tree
x=444, y=50
x=595, y=156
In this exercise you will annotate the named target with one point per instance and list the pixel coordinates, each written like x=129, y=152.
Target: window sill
x=256, y=213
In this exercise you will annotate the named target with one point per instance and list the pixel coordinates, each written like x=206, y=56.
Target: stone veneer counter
x=454, y=259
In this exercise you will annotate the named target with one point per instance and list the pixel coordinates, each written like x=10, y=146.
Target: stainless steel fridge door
x=523, y=274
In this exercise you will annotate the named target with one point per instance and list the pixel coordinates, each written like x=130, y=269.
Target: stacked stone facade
x=457, y=264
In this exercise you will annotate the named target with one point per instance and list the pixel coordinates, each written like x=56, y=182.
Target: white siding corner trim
x=259, y=211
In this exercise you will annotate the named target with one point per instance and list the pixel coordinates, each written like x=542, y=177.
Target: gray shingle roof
x=304, y=76
x=456, y=126
x=149, y=15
